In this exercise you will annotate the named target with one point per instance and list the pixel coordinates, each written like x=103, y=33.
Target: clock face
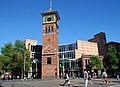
x=49, y=18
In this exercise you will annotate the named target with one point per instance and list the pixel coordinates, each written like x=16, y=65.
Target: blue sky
x=80, y=19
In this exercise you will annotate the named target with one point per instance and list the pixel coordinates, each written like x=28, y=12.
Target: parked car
x=6, y=76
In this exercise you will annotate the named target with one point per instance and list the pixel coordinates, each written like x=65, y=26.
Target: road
x=57, y=82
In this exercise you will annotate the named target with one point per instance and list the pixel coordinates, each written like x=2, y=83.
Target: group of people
x=87, y=78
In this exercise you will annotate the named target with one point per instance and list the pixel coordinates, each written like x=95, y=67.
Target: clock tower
x=50, y=59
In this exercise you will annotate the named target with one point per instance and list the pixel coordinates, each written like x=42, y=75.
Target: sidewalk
x=57, y=82
x=96, y=83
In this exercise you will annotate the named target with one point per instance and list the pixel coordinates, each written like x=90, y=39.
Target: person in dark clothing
x=89, y=78
x=67, y=80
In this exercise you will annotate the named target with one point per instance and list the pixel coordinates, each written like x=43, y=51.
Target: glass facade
x=36, y=60
x=67, y=47
x=67, y=60
x=68, y=51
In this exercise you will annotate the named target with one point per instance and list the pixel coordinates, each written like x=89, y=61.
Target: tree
x=12, y=58
x=113, y=58
x=3, y=62
x=112, y=61
x=95, y=63
x=20, y=53
x=7, y=52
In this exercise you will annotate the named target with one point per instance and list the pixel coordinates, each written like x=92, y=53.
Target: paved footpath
x=57, y=82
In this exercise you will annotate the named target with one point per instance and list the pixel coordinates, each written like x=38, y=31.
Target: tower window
x=49, y=30
x=52, y=30
x=49, y=60
x=46, y=30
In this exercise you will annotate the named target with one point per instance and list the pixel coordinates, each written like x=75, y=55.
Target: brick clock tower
x=50, y=59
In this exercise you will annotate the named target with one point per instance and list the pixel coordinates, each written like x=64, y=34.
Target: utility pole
x=24, y=60
x=24, y=76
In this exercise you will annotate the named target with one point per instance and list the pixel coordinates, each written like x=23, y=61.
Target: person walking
x=118, y=76
x=105, y=77
x=67, y=80
x=89, y=78
x=85, y=78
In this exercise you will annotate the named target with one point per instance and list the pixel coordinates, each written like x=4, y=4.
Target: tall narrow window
x=49, y=60
x=52, y=29
x=46, y=31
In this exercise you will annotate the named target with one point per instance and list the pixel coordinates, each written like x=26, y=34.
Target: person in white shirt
x=86, y=78
x=105, y=77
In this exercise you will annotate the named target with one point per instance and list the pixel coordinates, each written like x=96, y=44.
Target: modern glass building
x=75, y=57
x=36, y=53
x=35, y=58
x=67, y=57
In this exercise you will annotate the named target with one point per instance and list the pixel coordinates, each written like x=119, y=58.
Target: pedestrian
x=67, y=79
x=85, y=78
x=105, y=77
x=94, y=74
x=118, y=76
x=89, y=77
x=30, y=75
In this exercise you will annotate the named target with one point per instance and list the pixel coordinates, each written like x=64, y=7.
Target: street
x=57, y=82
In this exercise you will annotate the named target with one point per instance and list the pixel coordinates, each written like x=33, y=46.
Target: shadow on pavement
x=70, y=85
x=0, y=84
x=77, y=86
x=98, y=83
x=115, y=81
x=81, y=83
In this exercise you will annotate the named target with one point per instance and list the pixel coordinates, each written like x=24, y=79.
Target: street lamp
x=24, y=75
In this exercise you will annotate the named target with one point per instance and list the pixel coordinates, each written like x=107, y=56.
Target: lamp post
x=24, y=75
x=24, y=60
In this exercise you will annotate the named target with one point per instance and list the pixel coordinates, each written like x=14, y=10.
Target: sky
x=79, y=19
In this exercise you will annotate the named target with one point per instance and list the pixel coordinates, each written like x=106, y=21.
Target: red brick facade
x=50, y=60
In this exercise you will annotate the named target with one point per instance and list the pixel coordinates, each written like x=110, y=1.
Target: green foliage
x=6, y=59
x=7, y=50
x=12, y=57
x=95, y=63
x=113, y=58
